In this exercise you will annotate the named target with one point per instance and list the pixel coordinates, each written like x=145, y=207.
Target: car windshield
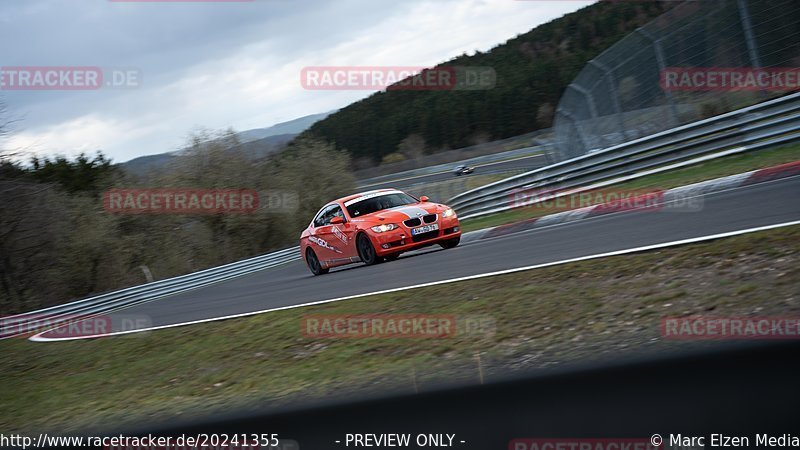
x=371, y=205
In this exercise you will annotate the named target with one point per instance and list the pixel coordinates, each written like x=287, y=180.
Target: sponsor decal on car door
x=342, y=236
x=324, y=249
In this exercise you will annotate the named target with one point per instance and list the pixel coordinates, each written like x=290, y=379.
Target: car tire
x=313, y=263
x=451, y=243
x=366, y=251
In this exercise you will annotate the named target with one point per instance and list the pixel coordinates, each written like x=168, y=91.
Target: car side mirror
x=337, y=220
x=424, y=198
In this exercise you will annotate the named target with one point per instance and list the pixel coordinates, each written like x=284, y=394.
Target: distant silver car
x=463, y=170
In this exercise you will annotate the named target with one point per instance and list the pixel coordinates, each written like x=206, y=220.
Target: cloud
x=225, y=64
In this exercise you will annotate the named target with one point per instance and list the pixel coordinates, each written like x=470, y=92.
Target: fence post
x=583, y=142
x=750, y=39
x=662, y=64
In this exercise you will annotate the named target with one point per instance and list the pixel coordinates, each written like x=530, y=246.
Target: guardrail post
x=587, y=95
x=578, y=129
x=148, y=275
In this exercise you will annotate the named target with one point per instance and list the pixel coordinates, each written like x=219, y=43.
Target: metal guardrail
x=19, y=324
x=767, y=124
x=539, y=147
x=444, y=160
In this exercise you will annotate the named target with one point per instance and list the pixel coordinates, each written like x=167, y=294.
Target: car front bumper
x=401, y=240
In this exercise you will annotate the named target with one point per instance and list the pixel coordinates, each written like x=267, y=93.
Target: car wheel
x=366, y=251
x=450, y=243
x=313, y=263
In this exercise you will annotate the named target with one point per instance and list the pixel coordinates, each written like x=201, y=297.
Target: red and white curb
x=679, y=199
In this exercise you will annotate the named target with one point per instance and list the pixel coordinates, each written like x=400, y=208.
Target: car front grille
x=415, y=222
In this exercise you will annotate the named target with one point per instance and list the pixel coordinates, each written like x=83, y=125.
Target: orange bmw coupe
x=375, y=226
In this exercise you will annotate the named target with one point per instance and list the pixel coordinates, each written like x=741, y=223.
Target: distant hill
x=532, y=69
x=265, y=146
x=257, y=143
x=144, y=164
x=294, y=126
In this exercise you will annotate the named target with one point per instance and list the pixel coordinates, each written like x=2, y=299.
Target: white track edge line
x=39, y=338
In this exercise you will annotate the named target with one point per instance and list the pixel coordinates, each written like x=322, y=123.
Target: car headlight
x=448, y=213
x=384, y=228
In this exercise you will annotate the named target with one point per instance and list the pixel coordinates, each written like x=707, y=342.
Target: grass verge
x=716, y=168
x=599, y=309
x=443, y=190
x=476, y=181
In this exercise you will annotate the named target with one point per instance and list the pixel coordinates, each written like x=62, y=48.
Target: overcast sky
x=215, y=65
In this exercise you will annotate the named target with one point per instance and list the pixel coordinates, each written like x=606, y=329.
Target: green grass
x=442, y=190
x=721, y=167
x=596, y=309
x=476, y=181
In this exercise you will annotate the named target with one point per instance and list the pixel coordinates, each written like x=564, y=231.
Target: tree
x=91, y=176
x=532, y=70
x=413, y=146
x=393, y=158
x=544, y=116
x=57, y=243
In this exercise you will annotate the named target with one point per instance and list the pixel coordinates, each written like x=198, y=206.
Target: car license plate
x=425, y=229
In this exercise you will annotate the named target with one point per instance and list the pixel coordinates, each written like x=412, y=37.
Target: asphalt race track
x=292, y=284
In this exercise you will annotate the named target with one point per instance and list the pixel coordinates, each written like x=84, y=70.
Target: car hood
x=401, y=213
